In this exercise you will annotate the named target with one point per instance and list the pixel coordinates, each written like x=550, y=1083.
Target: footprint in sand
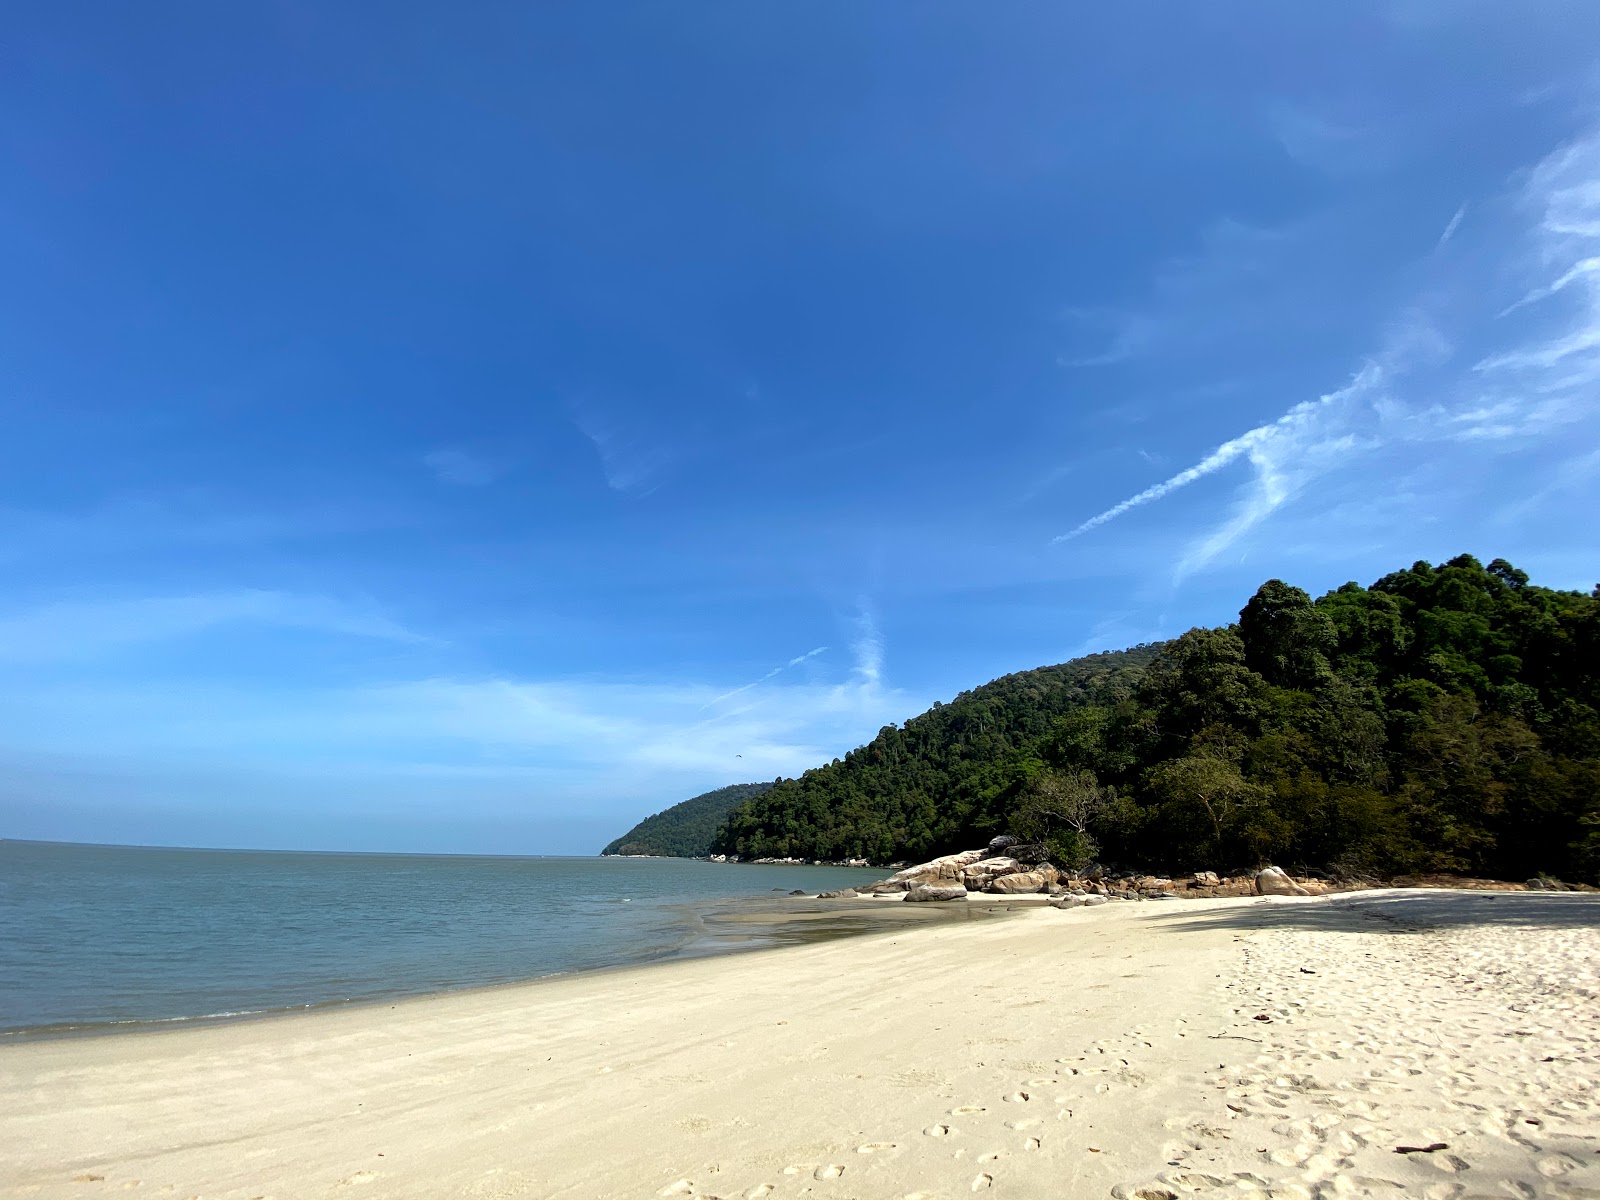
x=874, y=1147
x=681, y=1187
x=983, y=1182
x=1032, y=1143
x=828, y=1171
x=967, y=1110
x=937, y=1131
x=358, y=1177
x=757, y=1192
x=1017, y=1098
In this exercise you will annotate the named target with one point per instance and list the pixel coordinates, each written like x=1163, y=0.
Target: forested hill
x=945, y=779
x=1444, y=719
x=685, y=830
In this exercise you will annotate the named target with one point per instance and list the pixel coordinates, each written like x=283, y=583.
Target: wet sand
x=1282, y=1047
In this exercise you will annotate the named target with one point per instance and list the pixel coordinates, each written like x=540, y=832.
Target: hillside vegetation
x=1444, y=719
x=687, y=828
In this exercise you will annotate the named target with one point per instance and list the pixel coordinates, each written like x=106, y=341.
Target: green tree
x=1057, y=809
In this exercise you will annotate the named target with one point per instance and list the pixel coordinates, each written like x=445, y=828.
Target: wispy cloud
x=1524, y=391
x=630, y=463
x=462, y=469
x=1263, y=446
x=1450, y=228
x=138, y=524
x=604, y=736
x=1326, y=143
x=78, y=630
x=772, y=674
x=868, y=647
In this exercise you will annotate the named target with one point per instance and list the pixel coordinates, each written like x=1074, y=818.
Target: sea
x=99, y=938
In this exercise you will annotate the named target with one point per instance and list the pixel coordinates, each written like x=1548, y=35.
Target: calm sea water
x=97, y=935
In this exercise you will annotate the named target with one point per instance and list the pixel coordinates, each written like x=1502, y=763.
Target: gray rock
x=840, y=894
x=937, y=891
x=1091, y=901
x=1001, y=844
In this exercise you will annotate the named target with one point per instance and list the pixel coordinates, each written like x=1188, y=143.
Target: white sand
x=1055, y=1054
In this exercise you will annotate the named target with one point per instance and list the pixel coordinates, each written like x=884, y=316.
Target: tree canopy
x=687, y=828
x=1447, y=718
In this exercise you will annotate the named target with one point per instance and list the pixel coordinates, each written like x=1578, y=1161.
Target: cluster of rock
x=1011, y=867
x=1543, y=883
x=789, y=862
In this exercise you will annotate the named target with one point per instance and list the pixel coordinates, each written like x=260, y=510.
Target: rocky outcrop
x=884, y=887
x=948, y=867
x=936, y=891
x=985, y=870
x=1017, y=883
x=840, y=894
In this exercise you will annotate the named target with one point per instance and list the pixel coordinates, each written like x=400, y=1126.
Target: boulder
x=1273, y=881
x=1017, y=883
x=1052, y=875
x=949, y=867
x=937, y=891
x=1090, y=901
x=884, y=886
x=1205, y=879
x=1069, y=902
x=981, y=872
x=1000, y=844
x=840, y=894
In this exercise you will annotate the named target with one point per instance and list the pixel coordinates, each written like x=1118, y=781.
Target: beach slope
x=1439, y=1044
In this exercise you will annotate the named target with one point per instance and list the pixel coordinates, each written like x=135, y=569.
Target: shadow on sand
x=1398, y=911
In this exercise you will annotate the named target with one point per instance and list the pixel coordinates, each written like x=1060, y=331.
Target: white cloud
x=76, y=630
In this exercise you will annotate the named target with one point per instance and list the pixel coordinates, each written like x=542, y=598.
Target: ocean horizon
x=98, y=937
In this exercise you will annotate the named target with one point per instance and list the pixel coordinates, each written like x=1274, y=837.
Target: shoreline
x=1143, y=1051
x=773, y=917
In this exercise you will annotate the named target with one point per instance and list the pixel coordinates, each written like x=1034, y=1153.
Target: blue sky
x=473, y=427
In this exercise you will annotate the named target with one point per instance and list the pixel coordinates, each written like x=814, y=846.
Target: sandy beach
x=1438, y=1044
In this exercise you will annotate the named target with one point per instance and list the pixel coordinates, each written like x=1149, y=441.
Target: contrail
x=1226, y=453
x=793, y=662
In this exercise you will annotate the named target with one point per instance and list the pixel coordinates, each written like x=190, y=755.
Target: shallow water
x=95, y=936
